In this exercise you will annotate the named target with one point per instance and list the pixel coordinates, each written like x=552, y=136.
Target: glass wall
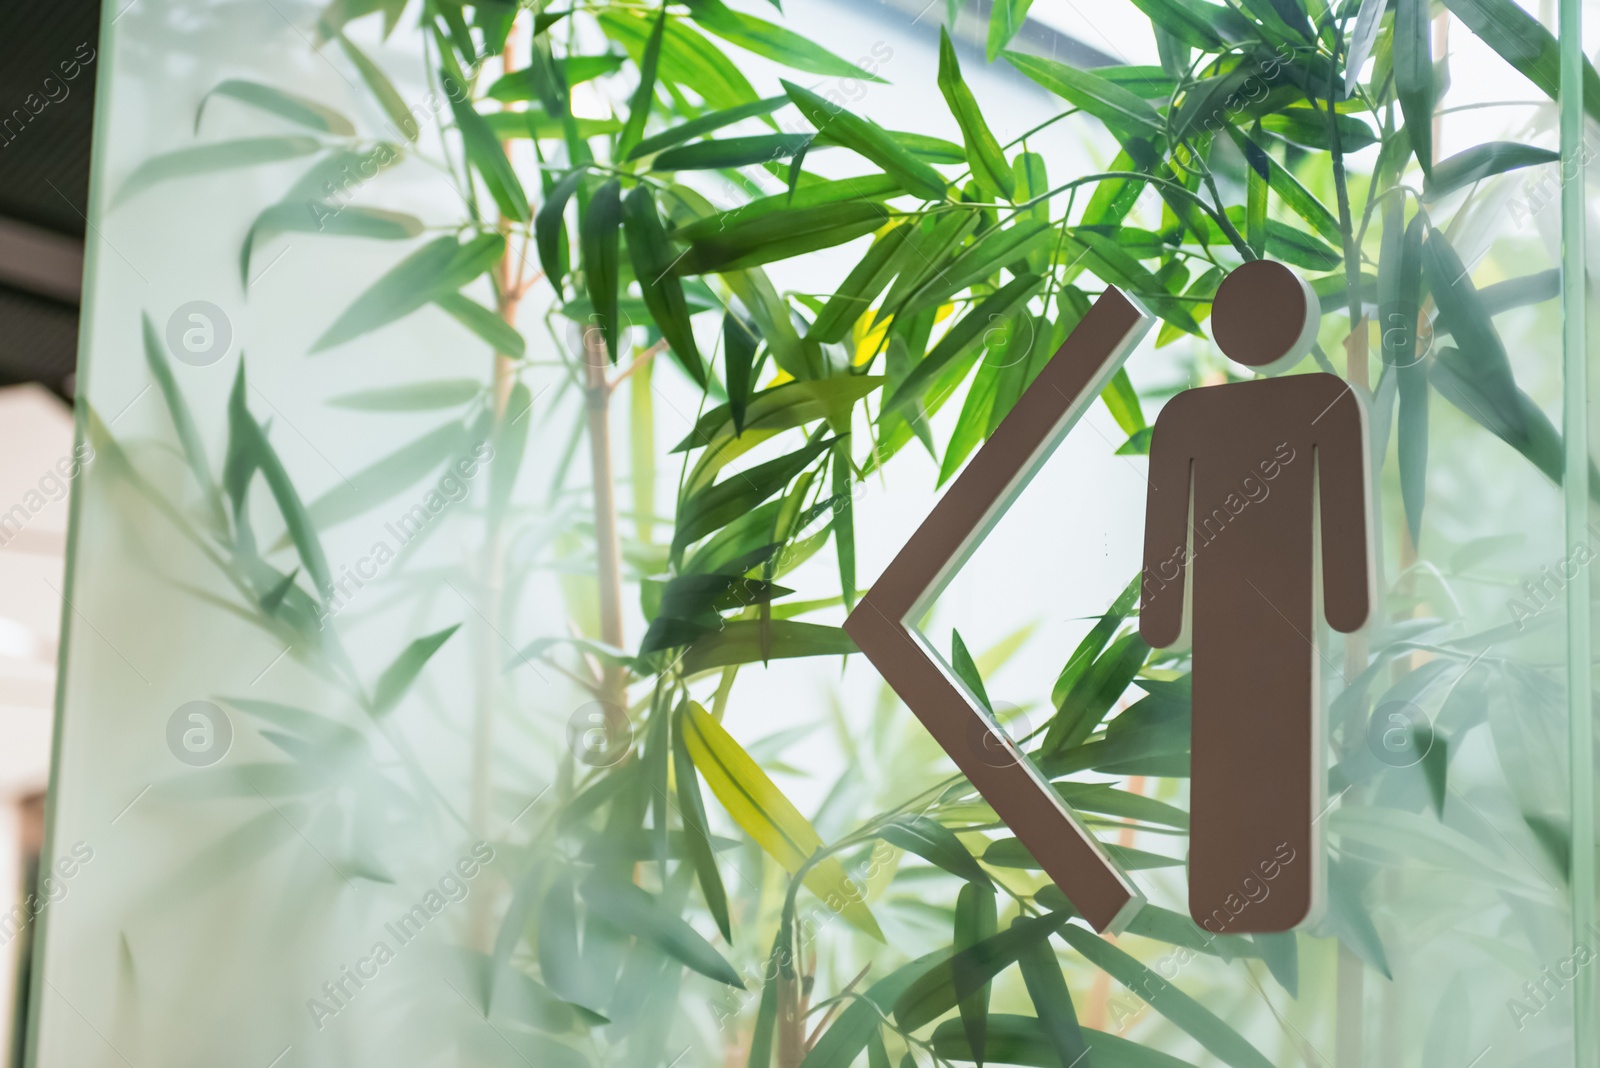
x=489, y=415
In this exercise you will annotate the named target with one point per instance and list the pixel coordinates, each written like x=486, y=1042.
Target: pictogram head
x=1265, y=316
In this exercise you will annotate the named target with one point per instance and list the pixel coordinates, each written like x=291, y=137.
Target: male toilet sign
x=1242, y=478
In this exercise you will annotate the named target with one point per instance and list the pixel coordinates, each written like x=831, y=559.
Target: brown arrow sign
x=881, y=623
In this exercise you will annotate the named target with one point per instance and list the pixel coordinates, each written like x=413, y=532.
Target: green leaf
x=731, y=152
x=844, y=522
x=1476, y=375
x=549, y=225
x=961, y=663
x=781, y=235
x=1483, y=161
x=1291, y=192
x=1308, y=127
x=1413, y=76
x=250, y=451
x=510, y=445
x=1026, y=1041
x=960, y=338
x=1006, y=19
x=652, y=257
x=983, y=149
x=1369, y=20
x=575, y=70
x=1047, y=988
x=217, y=156
x=645, y=94
x=319, y=217
x=194, y=451
x=739, y=344
x=935, y=843
x=705, y=509
x=598, y=236
x=394, y=106
x=757, y=805
x=942, y=987
x=439, y=267
x=1189, y=1015
x=691, y=810
x=687, y=58
x=1187, y=20
x=1522, y=41
x=397, y=678
x=390, y=476
x=1124, y=112
x=504, y=338
x=483, y=150
x=773, y=42
x=1123, y=402
x=869, y=140
x=975, y=923
x=705, y=124
x=840, y=1044
x=636, y=911
x=297, y=109
x=1399, y=294
x=413, y=397
x=752, y=641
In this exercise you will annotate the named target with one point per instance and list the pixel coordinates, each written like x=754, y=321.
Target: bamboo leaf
x=194, y=452
x=1522, y=41
x=483, y=150
x=869, y=140
x=207, y=159
x=1123, y=111
x=961, y=337
x=439, y=267
x=644, y=96
x=394, y=474
x=636, y=911
x=942, y=987
x=691, y=810
x=705, y=124
x=1006, y=19
x=398, y=676
x=752, y=641
x=935, y=843
x=413, y=397
x=975, y=923
x=773, y=42
x=739, y=344
x=767, y=816
x=731, y=152
x=394, y=106
x=549, y=225
x=299, y=110
x=1413, y=76
x=1047, y=988
x=1483, y=161
x=781, y=235
x=652, y=257
x=1189, y=1015
x=598, y=236
x=502, y=337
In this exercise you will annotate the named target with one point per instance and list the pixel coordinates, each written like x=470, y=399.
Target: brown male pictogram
x=1243, y=477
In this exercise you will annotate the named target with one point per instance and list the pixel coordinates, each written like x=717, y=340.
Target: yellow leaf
x=867, y=334
x=757, y=805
